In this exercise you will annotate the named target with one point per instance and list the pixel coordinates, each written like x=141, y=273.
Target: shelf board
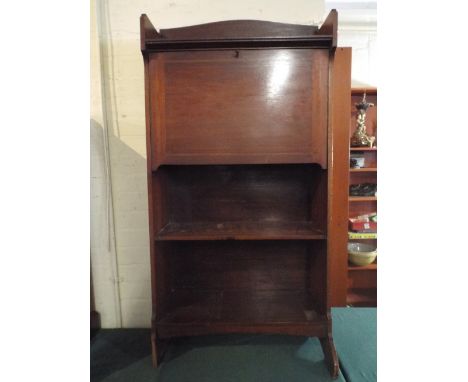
x=362, y=297
x=239, y=310
x=363, y=169
x=370, y=267
x=241, y=231
x=362, y=198
x=363, y=148
x=368, y=91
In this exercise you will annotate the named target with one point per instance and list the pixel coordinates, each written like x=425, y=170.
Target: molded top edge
x=232, y=30
x=238, y=29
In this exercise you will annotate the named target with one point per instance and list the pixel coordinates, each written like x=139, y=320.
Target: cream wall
x=102, y=246
x=357, y=28
x=119, y=221
x=364, y=44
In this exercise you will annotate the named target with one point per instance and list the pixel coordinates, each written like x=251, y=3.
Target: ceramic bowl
x=361, y=253
x=359, y=161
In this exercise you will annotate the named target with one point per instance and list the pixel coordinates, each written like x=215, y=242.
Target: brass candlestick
x=360, y=137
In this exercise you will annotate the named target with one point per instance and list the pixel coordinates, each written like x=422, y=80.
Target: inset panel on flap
x=239, y=106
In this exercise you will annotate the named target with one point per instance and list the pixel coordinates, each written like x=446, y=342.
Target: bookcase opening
x=268, y=281
x=277, y=201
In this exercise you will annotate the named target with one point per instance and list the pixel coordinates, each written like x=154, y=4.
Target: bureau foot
x=158, y=349
x=154, y=350
x=331, y=358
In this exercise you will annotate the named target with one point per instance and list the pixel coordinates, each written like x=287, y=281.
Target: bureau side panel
x=338, y=175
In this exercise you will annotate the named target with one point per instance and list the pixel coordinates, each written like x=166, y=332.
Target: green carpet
x=124, y=355
x=355, y=335
x=233, y=359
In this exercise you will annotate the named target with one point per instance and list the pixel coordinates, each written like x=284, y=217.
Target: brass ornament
x=360, y=137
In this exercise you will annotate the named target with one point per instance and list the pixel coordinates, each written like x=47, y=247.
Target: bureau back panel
x=239, y=265
x=239, y=106
x=285, y=194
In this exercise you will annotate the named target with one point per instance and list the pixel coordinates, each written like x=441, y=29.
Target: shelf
x=362, y=198
x=210, y=307
x=363, y=148
x=363, y=169
x=362, y=297
x=361, y=236
x=362, y=280
x=368, y=91
x=241, y=231
x=370, y=267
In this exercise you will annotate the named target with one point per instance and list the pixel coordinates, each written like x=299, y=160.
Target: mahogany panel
x=147, y=32
x=163, y=277
x=252, y=34
x=362, y=208
x=238, y=29
x=363, y=297
x=240, y=106
x=240, y=306
x=362, y=279
x=330, y=27
x=276, y=312
x=237, y=287
x=318, y=328
x=244, y=283
x=362, y=177
x=338, y=176
x=240, y=265
x=151, y=210
x=318, y=279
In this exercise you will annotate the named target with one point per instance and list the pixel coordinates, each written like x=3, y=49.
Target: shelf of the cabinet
x=233, y=309
x=370, y=267
x=362, y=198
x=363, y=169
x=368, y=91
x=362, y=297
x=363, y=148
x=241, y=231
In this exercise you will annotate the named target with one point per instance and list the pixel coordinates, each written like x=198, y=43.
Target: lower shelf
x=241, y=231
x=234, y=311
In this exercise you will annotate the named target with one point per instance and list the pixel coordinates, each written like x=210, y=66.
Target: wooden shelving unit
x=362, y=280
x=246, y=195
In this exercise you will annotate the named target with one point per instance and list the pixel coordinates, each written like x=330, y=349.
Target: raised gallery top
x=239, y=34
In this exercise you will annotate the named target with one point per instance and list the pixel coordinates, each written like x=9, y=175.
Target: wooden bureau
x=245, y=182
